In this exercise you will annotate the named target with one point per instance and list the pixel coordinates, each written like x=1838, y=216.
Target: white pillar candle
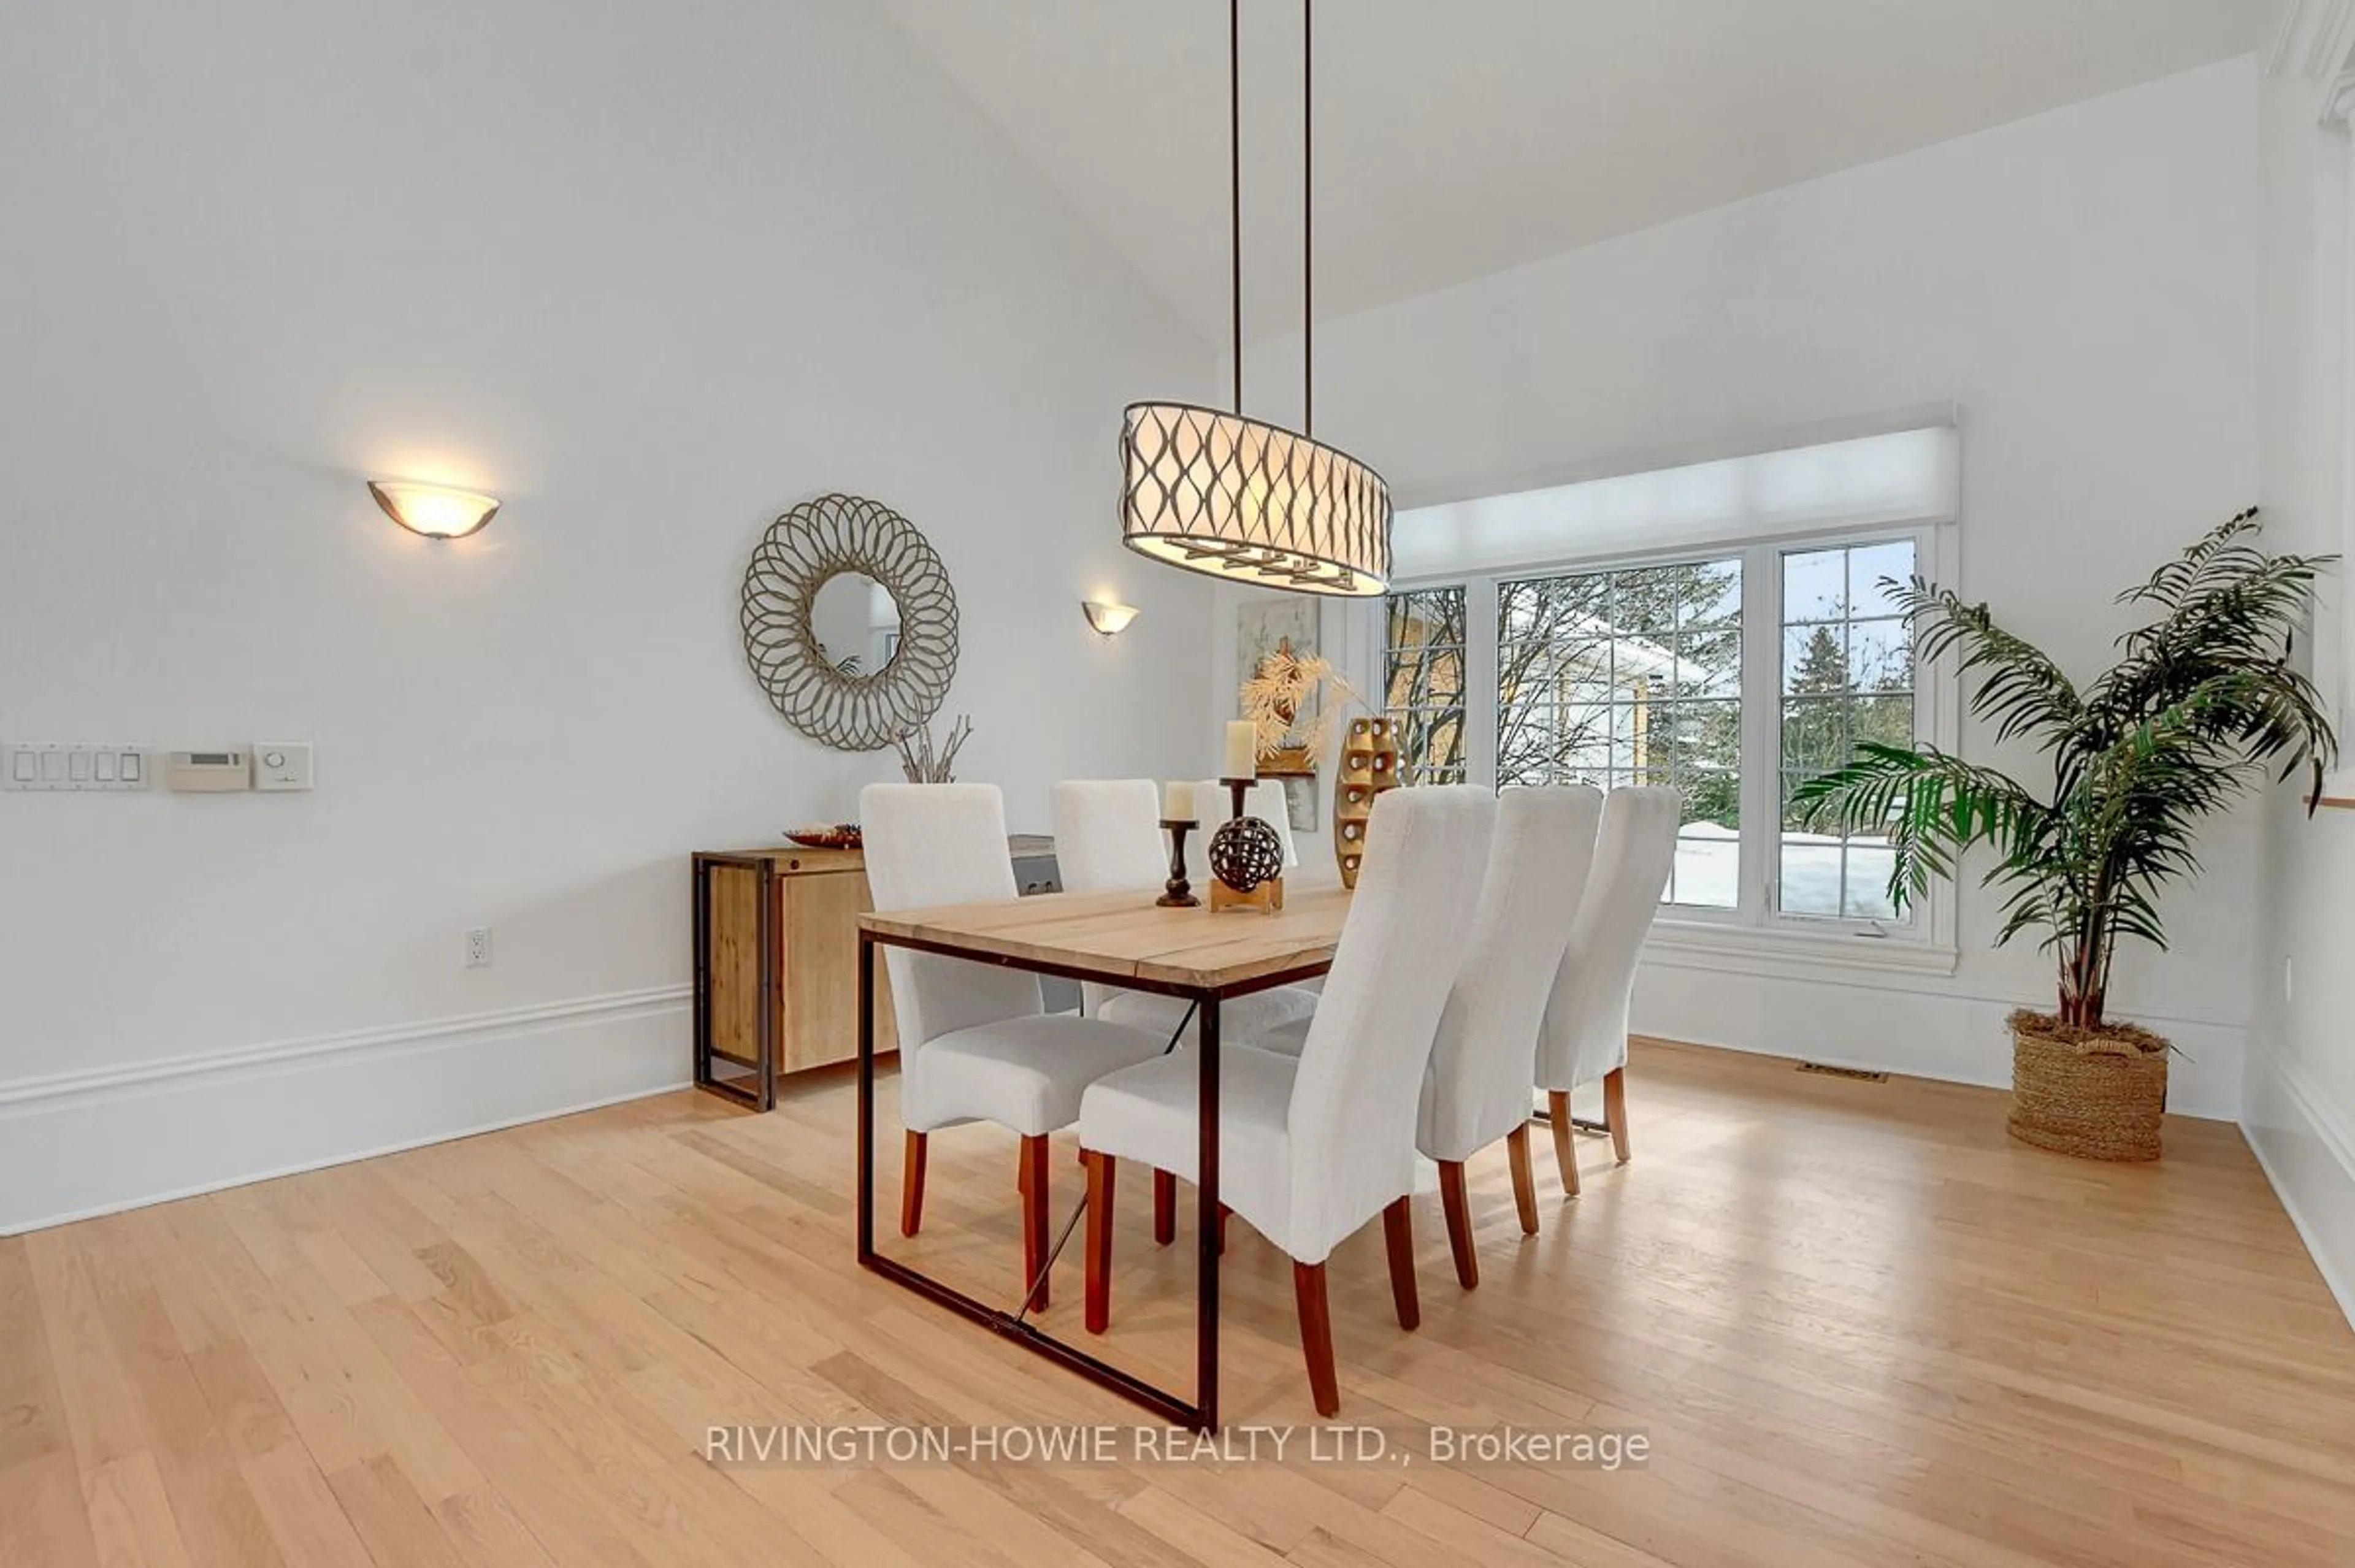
x=1243, y=750
x=1178, y=802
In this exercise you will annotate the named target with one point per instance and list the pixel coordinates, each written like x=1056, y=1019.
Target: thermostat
x=281, y=764
x=209, y=772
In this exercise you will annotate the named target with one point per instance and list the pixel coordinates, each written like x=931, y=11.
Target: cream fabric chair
x=1102, y=829
x=1478, y=1089
x=1108, y=838
x=975, y=1043
x=1586, y=1033
x=1312, y=1147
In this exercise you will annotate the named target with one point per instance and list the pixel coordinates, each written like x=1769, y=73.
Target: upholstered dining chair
x=1108, y=836
x=1312, y=1147
x=975, y=1042
x=1478, y=1088
x=1584, y=1036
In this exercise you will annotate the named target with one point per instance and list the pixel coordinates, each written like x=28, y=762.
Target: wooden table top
x=1124, y=936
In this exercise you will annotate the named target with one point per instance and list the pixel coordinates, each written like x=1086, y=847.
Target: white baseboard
x=2309, y=1154
x=79, y=1144
x=1894, y=1024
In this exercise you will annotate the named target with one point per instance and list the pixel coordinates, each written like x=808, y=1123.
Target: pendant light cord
x=1235, y=175
x=1308, y=232
x=1308, y=206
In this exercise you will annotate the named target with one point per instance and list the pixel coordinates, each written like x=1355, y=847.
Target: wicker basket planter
x=2094, y=1094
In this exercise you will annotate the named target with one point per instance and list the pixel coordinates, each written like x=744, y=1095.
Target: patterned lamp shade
x=1230, y=497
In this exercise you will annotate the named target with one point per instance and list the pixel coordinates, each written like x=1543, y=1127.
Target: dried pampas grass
x=1274, y=694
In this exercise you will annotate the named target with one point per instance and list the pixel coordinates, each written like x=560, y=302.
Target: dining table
x=1126, y=940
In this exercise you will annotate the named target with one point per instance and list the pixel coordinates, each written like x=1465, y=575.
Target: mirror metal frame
x=807, y=547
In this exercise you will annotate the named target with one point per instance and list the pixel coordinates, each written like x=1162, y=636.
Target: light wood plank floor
x=1858, y=1324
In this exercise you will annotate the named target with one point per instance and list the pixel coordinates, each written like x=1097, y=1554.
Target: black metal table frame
x=1201, y=1414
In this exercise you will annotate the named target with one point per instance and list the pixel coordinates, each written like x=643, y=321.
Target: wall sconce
x=1109, y=620
x=434, y=510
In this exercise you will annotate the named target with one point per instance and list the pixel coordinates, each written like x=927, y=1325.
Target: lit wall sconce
x=1109, y=620
x=434, y=510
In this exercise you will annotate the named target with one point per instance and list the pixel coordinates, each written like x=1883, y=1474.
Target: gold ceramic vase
x=1370, y=764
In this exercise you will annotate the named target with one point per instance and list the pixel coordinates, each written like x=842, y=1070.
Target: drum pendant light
x=1239, y=499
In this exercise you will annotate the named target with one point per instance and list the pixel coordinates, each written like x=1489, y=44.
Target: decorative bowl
x=841, y=836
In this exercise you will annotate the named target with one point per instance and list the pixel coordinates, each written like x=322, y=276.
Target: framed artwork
x=1264, y=626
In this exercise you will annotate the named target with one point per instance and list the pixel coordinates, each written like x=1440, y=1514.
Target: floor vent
x=1859, y=1074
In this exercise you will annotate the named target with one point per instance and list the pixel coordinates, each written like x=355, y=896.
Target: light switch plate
x=281, y=764
x=66, y=766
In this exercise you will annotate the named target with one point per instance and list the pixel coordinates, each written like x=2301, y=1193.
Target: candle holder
x=1179, y=893
x=1238, y=787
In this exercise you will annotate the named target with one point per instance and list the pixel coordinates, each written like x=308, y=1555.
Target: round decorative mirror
x=850, y=625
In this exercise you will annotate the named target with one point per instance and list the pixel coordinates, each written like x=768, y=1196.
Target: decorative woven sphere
x=1246, y=852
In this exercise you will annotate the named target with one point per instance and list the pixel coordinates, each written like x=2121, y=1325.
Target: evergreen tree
x=1823, y=666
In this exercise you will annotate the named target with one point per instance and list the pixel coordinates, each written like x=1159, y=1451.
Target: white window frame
x=1381, y=684
x=1754, y=936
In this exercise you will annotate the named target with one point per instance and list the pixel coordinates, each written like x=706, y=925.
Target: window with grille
x=1727, y=627
x=1423, y=683
x=1846, y=677
x=1731, y=675
x=1632, y=676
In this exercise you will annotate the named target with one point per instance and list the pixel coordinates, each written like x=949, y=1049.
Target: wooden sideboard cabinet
x=782, y=924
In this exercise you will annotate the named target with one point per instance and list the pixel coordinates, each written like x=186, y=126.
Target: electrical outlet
x=478, y=947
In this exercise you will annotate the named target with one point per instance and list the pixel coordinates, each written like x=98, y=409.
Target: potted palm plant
x=2199, y=705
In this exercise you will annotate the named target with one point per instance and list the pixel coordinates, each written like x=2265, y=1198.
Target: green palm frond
x=2021, y=691
x=1931, y=804
x=2201, y=703
x=2216, y=558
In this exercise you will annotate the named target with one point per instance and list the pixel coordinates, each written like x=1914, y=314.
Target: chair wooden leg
x=1524, y=1183
x=1164, y=1207
x=1398, y=1231
x=911, y=1184
x=1316, y=1336
x=1223, y=1212
x=1459, y=1222
x=1564, y=1156
x=1033, y=1183
x=1615, y=1110
x=1099, y=1270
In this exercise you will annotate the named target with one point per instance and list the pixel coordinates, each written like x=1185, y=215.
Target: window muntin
x=1423, y=682
x=1848, y=675
x=1633, y=675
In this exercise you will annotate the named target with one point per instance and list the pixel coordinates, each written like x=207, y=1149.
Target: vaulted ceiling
x=1457, y=137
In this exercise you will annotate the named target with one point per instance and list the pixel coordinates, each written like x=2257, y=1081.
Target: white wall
x=650, y=279
x=2299, y=1107
x=2082, y=283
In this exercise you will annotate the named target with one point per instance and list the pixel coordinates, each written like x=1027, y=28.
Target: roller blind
x=1901, y=476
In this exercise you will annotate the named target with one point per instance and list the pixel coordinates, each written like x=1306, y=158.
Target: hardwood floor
x=1858, y=1326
